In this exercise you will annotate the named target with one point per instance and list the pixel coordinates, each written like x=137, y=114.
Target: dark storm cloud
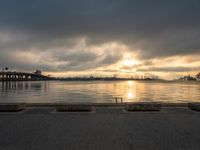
x=74, y=56
x=156, y=28
x=81, y=60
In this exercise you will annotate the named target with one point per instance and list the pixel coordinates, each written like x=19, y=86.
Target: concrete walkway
x=173, y=128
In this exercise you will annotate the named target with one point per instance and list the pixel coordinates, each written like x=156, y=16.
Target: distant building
x=38, y=72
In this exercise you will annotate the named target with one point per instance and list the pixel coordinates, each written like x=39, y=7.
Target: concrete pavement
x=40, y=128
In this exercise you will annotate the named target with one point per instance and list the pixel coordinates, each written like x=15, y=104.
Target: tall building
x=38, y=72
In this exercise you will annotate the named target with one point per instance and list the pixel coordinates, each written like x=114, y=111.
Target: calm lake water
x=99, y=91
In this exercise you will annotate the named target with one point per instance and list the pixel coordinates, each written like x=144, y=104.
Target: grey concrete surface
x=172, y=128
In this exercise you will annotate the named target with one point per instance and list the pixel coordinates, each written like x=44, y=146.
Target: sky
x=101, y=37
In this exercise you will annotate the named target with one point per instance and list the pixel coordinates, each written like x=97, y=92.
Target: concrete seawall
x=143, y=106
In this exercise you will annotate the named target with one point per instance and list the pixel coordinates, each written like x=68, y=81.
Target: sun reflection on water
x=130, y=95
x=130, y=83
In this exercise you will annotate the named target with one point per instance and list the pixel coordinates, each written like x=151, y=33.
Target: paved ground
x=105, y=129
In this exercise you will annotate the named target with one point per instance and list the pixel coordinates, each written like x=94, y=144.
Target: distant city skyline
x=101, y=37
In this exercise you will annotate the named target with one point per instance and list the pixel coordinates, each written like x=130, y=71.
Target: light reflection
x=130, y=96
x=130, y=83
x=130, y=90
x=100, y=91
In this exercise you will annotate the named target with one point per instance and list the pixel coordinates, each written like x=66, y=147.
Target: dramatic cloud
x=95, y=35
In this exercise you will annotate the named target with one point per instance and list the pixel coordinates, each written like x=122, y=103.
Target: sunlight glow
x=130, y=83
x=129, y=62
x=130, y=96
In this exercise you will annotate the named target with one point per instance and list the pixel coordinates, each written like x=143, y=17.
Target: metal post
x=3, y=74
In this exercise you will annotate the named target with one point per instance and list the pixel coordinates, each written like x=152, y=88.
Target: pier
x=22, y=76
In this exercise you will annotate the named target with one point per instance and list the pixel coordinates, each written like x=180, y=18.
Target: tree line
x=190, y=78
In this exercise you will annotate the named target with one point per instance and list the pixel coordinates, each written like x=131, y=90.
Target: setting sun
x=129, y=62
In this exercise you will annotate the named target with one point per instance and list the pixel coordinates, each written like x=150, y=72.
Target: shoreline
x=103, y=104
x=162, y=104
x=84, y=80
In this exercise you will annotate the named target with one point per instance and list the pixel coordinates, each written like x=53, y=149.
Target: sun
x=129, y=62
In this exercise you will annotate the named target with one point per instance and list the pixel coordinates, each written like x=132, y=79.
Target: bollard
x=121, y=100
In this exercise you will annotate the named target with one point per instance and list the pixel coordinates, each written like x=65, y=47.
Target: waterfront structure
x=38, y=72
x=22, y=76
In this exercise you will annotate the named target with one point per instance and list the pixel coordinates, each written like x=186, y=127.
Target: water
x=99, y=91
